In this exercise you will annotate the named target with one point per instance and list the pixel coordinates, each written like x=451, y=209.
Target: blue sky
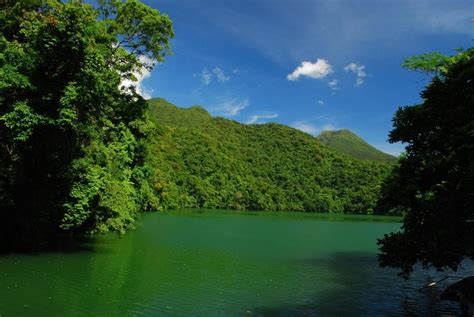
x=313, y=65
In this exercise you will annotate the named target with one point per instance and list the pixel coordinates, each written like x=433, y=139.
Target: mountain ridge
x=343, y=141
x=349, y=143
x=212, y=162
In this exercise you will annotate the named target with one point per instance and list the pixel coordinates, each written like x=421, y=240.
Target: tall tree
x=434, y=182
x=71, y=136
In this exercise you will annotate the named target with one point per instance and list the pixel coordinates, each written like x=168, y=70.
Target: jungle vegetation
x=434, y=181
x=72, y=138
x=80, y=152
x=206, y=162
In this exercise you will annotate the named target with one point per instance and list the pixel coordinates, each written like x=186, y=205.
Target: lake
x=221, y=264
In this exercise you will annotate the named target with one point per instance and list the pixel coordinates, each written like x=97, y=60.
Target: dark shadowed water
x=220, y=265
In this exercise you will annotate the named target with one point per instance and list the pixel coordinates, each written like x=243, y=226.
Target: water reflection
x=220, y=266
x=361, y=288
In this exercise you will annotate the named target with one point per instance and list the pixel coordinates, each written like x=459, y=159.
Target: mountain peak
x=349, y=143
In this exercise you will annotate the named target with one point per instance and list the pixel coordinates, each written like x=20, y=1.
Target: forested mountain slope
x=201, y=161
x=165, y=113
x=349, y=143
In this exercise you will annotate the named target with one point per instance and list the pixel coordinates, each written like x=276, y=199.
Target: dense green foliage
x=434, y=183
x=71, y=139
x=350, y=144
x=430, y=63
x=79, y=153
x=167, y=114
x=208, y=162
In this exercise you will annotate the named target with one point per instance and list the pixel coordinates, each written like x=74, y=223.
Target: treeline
x=208, y=162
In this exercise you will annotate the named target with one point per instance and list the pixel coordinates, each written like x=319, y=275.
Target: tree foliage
x=78, y=152
x=434, y=182
x=428, y=63
x=217, y=163
x=71, y=138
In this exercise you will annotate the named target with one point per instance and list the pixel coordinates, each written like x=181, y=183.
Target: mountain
x=206, y=162
x=165, y=113
x=351, y=144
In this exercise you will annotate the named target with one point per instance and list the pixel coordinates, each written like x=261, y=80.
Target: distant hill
x=165, y=113
x=202, y=161
x=351, y=144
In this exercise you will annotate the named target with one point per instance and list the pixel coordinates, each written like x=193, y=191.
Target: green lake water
x=220, y=264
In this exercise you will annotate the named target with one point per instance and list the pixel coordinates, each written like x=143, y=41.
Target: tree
x=434, y=182
x=71, y=136
x=206, y=162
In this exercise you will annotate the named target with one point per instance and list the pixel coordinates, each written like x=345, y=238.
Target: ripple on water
x=220, y=266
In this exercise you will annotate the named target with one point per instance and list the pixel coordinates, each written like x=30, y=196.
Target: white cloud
x=231, y=107
x=359, y=70
x=321, y=103
x=328, y=127
x=140, y=75
x=306, y=127
x=206, y=77
x=312, y=128
x=394, y=149
x=333, y=84
x=317, y=70
x=145, y=92
x=255, y=118
x=314, y=28
x=221, y=77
